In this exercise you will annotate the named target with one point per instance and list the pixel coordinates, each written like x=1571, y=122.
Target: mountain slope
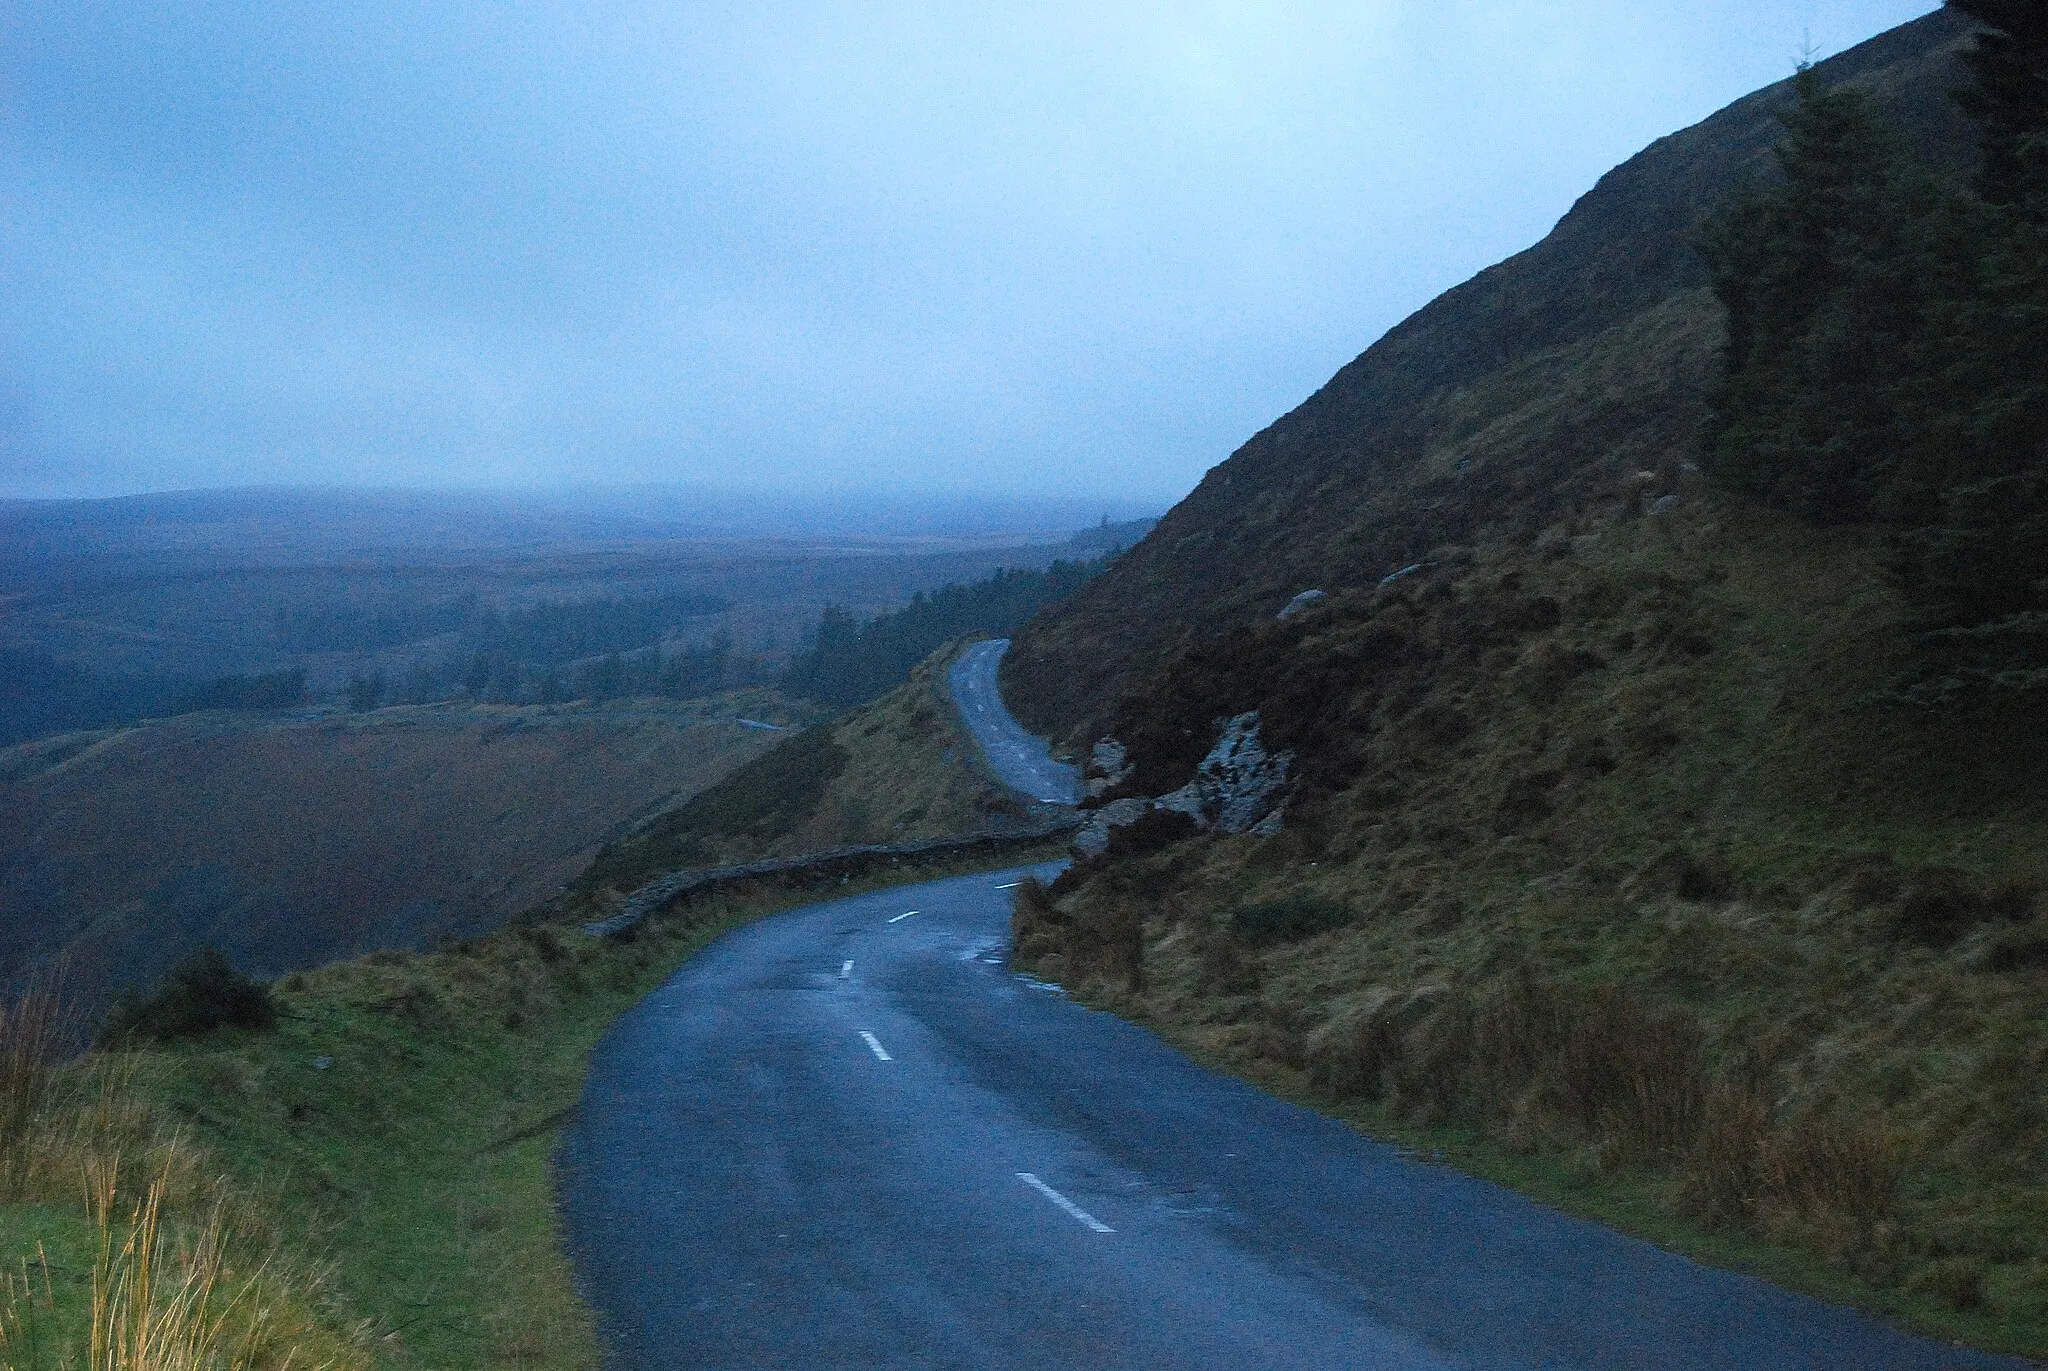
x=1596, y=865
x=1531, y=388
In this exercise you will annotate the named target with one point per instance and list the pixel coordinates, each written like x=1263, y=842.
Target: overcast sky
x=1078, y=246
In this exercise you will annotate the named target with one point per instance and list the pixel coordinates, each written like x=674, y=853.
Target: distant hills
x=113, y=611
x=285, y=524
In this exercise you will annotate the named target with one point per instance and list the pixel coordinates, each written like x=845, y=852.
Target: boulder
x=1108, y=767
x=1235, y=789
x=1300, y=602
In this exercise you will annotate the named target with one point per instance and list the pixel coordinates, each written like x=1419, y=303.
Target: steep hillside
x=292, y=842
x=1530, y=389
x=1594, y=855
x=1598, y=860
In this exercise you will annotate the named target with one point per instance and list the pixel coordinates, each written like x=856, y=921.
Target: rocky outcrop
x=1301, y=602
x=1093, y=839
x=1108, y=767
x=1237, y=788
x=1237, y=784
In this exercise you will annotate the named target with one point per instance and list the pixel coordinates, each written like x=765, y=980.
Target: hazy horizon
x=958, y=252
x=313, y=523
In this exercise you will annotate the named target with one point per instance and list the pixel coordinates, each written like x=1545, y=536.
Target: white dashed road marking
x=1011, y=886
x=1074, y=1211
x=901, y=917
x=875, y=1046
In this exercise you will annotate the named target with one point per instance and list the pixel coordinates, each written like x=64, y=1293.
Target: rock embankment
x=1237, y=788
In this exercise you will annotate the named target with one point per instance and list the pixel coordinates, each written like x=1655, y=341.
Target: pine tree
x=1887, y=359
x=1825, y=294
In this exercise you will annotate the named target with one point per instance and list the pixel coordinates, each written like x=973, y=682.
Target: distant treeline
x=40, y=695
x=345, y=626
x=684, y=673
x=601, y=648
x=853, y=662
x=569, y=630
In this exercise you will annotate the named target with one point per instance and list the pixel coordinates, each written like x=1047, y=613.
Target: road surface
x=849, y=1137
x=1021, y=760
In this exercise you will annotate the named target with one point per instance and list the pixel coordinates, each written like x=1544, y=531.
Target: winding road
x=849, y=1137
x=1020, y=759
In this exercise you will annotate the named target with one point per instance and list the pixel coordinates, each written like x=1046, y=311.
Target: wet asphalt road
x=1021, y=759
x=843, y=1138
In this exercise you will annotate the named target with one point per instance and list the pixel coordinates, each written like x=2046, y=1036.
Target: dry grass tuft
x=186, y=1274
x=33, y=1035
x=1104, y=945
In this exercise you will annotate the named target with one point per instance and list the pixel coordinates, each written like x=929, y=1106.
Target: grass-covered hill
x=1595, y=859
x=289, y=842
x=898, y=769
x=1610, y=865
x=1532, y=388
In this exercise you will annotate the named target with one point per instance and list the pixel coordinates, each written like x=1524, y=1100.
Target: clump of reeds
x=33, y=1034
x=1838, y=1179
x=1102, y=943
x=185, y=1276
x=155, y=1306
x=1596, y=1066
x=1037, y=927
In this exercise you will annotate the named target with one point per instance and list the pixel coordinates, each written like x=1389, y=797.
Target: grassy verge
x=1875, y=1152
x=379, y=1165
x=1639, y=1201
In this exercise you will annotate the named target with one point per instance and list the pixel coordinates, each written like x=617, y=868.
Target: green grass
x=407, y=1184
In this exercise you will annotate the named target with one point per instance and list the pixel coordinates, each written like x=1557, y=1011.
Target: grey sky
x=1080, y=246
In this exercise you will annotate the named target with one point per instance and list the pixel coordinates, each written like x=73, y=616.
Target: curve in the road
x=1020, y=758
x=849, y=1137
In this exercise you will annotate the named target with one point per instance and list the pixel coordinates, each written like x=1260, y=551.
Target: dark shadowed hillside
x=1578, y=829
x=291, y=842
x=1535, y=386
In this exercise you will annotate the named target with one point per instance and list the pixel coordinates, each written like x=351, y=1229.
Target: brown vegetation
x=290, y=844
x=1614, y=867
x=899, y=769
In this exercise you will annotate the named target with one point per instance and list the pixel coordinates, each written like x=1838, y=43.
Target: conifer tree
x=1824, y=302
x=1887, y=358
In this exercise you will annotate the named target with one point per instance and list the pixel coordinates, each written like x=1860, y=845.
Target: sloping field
x=897, y=769
x=1604, y=868
x=288, y=844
